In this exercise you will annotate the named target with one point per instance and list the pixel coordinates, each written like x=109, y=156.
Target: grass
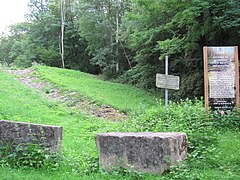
x=229, y=154
x=227, y=158
x=79, y=152
x=122, y=97
x=19, y=103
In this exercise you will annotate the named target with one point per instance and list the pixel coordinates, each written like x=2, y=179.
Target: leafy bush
x=184, y=116
x=28, y=155
x=202, y=131
x=230, y=120
x=21, y=62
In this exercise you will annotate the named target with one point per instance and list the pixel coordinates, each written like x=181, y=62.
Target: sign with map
x=221, y=78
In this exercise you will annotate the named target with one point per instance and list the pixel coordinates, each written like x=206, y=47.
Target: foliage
x=99, y=24
x=37, y=40
x=185, y=116
x=230, y=120
x=5, y=47
x=126, y=39
x=29, y=156
x=180, y=29
x=203, y=134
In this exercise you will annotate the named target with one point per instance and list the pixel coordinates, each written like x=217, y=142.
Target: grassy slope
x=19, y=103
x=22, y=104
x=122, y=97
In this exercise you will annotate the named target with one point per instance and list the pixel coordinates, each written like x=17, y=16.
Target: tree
x=156, y=28
x=126, y=38
x=62, y=31
x=52, y=37
x=99, y=23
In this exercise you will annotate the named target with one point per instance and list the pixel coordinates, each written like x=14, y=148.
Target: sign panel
x=167, y=81
x=221, y=78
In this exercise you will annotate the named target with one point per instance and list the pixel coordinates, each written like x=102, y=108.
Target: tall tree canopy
x=124, y=39
x=178, y=28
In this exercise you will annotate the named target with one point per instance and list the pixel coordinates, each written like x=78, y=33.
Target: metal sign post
x=166, y=90
x=167, y=82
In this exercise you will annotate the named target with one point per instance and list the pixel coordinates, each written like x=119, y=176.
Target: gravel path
x=70, y=99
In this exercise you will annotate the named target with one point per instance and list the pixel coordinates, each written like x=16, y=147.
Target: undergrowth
x=203, y=133
x=28, y=155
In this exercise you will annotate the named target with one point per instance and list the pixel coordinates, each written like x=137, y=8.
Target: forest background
x=124, y=40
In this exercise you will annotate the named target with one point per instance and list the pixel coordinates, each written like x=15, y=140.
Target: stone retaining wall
x=15, y=133
x=143, y=152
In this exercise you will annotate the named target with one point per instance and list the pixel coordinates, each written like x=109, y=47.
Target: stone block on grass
x=20, y=133
x=143, y=152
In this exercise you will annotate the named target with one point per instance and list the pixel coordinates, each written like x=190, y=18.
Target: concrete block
x=142, y=152
x=15, y=133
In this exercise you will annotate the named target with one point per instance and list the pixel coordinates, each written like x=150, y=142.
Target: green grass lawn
x=123, y=97
x=227, y=158
x=19, y=103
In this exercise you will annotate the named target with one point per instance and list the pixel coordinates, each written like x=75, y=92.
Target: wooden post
x=205, y=77
x=236, y=75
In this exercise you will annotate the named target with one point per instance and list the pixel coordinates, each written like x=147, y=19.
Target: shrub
x=28, y=155
x=22, y=62
x=202, y=131
x=230, y=120
x=185, y=116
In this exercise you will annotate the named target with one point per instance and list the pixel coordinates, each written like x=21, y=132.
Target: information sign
x=221, y=77
x=167, y=81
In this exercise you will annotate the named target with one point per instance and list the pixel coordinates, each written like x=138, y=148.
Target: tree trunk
x=62, y=31
x=117, y=32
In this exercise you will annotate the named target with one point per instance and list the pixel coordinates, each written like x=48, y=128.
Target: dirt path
x=70, y=99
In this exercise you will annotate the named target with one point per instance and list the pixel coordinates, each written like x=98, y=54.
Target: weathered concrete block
x=15, y=133
x=142, y=152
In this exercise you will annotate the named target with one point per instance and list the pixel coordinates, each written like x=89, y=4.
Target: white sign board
x=167, y=81
x=221, y=77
